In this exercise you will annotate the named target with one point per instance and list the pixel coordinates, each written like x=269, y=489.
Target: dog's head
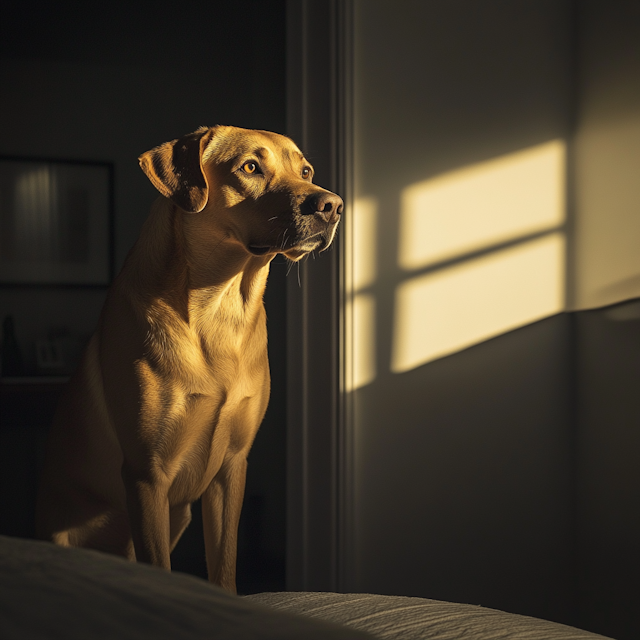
x=256, y=186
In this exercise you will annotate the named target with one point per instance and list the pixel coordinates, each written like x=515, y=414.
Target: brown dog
x=173, y=385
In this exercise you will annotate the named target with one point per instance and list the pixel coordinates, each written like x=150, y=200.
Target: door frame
x=318, y=429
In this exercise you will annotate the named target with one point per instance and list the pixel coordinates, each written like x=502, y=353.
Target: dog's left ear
x=175, y=169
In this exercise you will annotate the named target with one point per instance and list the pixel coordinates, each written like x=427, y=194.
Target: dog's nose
x=327, y=205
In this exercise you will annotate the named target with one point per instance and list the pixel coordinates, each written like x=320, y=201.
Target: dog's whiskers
x=290, y=266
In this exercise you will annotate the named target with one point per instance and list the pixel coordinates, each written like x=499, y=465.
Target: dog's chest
x=216, y=414
x=217, y=346
x=209, y=381
x=213, y=429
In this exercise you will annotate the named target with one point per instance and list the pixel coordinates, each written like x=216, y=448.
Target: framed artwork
x=56, y=222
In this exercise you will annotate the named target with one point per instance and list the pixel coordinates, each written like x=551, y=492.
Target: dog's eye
x=306, y=172
x=250, y=167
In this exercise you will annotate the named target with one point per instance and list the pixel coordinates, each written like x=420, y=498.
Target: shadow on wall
x=457, y=340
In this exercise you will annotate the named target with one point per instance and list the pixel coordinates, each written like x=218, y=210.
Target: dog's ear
x=175, y=169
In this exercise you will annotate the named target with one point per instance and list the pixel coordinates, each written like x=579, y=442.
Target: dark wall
x=487, y=476
x=467, y=463
x=108, y=81
x=608, y=369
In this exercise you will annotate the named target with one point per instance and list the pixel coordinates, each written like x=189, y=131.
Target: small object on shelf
x=49, y=356
x=11, y=355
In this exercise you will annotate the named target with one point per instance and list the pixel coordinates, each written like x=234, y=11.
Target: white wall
x=497, y=155
x=463, y=463
x=608, y=154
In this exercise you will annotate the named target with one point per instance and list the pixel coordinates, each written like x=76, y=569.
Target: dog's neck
x=196, y=279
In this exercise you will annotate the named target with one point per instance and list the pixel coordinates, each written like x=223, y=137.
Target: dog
x=174, y=383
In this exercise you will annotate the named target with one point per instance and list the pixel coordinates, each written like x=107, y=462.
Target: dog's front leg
x=221, y=507
x=148, y=506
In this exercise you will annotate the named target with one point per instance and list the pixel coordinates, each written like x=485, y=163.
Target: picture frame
x=56, y=222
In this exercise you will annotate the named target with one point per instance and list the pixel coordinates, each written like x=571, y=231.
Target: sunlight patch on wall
x=482, y=205
x=364, y=234
x=360, y=308
x=362, y=340
x=440, y=313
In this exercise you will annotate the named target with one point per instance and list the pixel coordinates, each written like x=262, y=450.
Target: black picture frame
x=56, y=222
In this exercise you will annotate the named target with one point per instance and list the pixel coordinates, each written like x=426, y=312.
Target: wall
x=495, y=453
x=108, y=81
x=463, y=464
x=608, y=340
x=609, y=470
x=608, y=154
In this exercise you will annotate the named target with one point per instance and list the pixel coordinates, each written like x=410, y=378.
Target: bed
x=51, y=592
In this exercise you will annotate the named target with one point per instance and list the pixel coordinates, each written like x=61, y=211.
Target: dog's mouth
x=258, y=250
x=317, y=241
x=297, y=243
x=306, y=244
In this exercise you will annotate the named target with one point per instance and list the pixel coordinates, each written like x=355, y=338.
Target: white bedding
x=51, y=592
x=402, y=618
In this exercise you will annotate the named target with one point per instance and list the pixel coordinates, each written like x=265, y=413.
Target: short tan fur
x=173, y=385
